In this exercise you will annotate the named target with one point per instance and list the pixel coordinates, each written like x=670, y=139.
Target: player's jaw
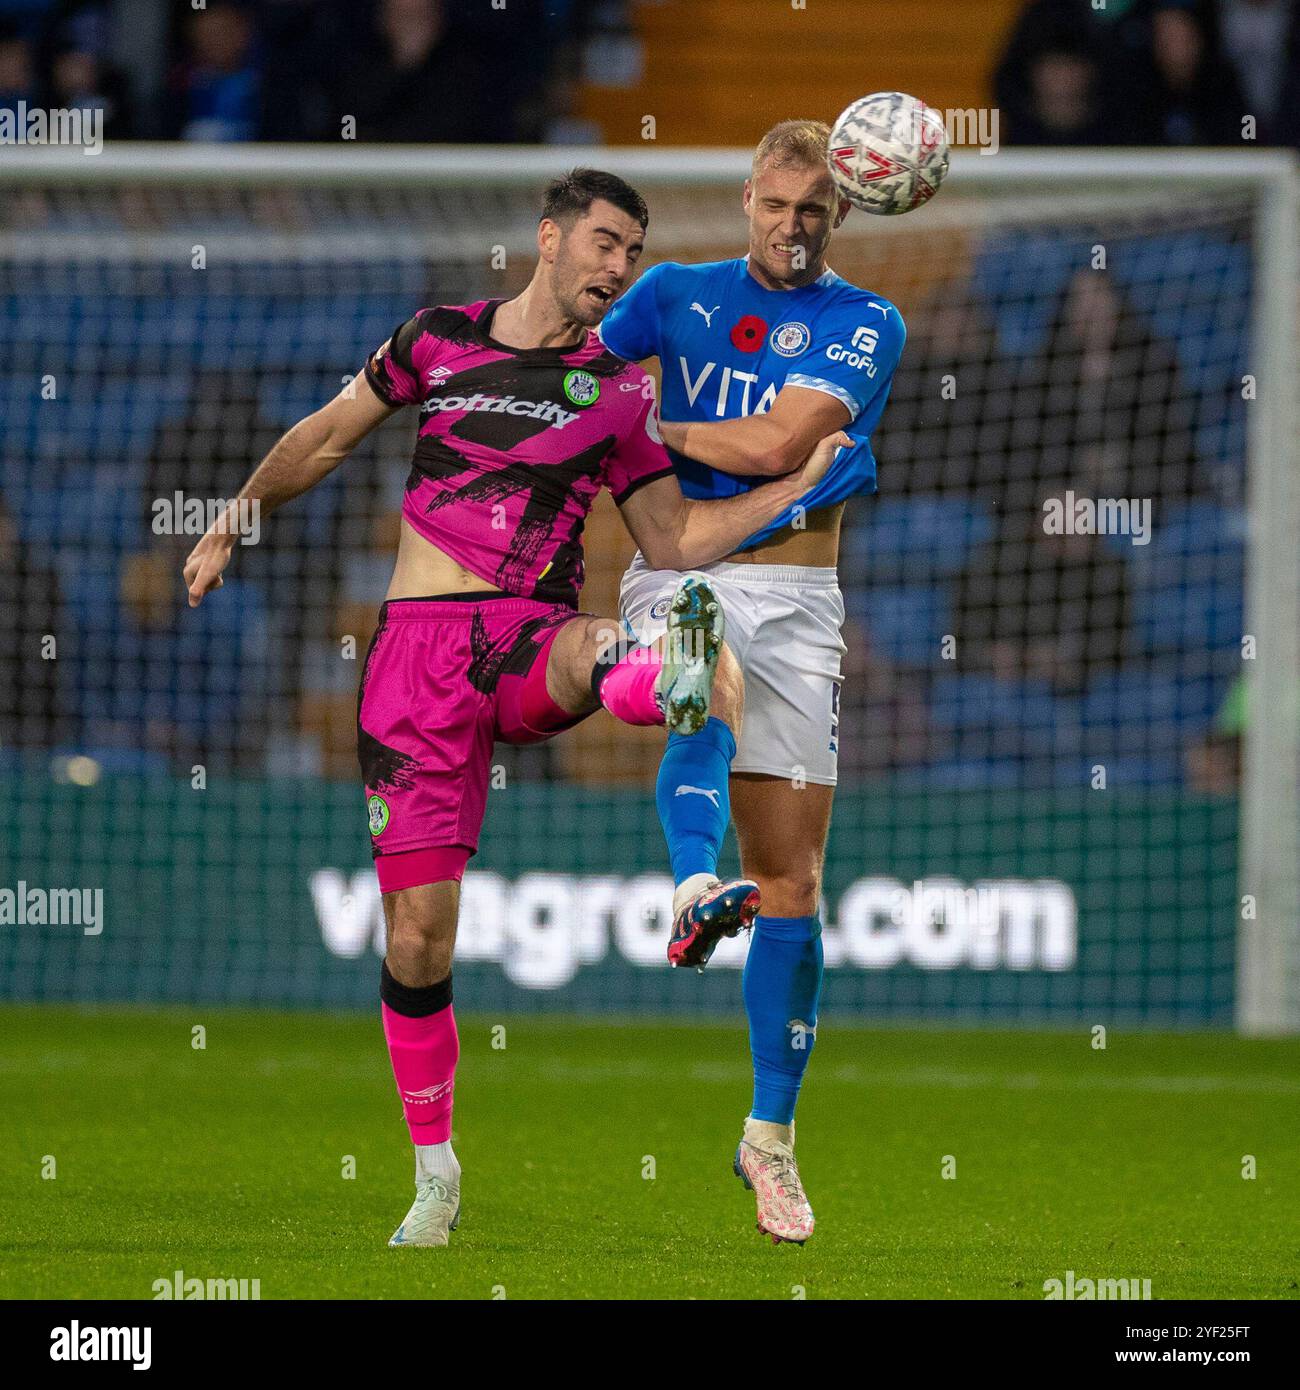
x=584, y=292
x=594, y=263
x=591, y=302
x=789, y=257
x=785, y=258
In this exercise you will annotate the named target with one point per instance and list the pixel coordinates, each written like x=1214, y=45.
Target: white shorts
x=782, y=623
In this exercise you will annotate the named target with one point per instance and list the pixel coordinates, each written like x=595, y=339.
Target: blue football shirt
x=727, y=345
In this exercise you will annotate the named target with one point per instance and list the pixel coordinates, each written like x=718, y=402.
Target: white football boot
x=690, y=656
x=433, y=1215
x=765, y=1164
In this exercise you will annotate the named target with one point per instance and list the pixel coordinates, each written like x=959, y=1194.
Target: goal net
x=1069, y=718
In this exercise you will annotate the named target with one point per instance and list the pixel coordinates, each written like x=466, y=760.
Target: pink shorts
x=444, y=679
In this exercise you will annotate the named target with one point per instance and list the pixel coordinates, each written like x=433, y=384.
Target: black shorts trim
x=464, y=596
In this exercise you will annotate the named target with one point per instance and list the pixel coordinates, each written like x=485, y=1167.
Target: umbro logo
x=706, y=314
x=428, y=1094
x=710, y=792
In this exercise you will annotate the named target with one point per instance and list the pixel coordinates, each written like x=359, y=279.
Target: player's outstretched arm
x=313, y=448
x=678, y=533
x=766, y=445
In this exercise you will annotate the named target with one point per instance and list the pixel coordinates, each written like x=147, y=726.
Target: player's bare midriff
x=423, y=570
x=816, y=543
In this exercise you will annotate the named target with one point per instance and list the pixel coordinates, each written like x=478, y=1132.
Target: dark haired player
x=524, y=416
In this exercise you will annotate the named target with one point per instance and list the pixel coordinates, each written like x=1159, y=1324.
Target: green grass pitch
x=229, y=1162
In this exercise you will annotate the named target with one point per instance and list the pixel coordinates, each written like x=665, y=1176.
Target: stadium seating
x=74, y=475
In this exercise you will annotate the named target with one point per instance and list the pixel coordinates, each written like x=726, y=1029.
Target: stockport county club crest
x=790, y=339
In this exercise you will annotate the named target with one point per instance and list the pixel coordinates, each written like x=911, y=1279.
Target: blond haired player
x=762, y=356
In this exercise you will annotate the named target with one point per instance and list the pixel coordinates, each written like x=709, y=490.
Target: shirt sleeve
x=639, y=457
x=394, y=369
x=631, y=328
x=856, y=356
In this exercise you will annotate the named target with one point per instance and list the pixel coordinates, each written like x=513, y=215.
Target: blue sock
x=783, y=981
x=693, y=798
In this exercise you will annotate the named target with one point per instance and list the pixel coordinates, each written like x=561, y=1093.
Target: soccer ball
x=888, y=153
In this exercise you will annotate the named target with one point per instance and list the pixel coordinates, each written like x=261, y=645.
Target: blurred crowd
x=292, y=70
x=1072, y=72
x=1151, y=72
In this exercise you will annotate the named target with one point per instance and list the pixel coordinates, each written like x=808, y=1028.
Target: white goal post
x=1264, y=184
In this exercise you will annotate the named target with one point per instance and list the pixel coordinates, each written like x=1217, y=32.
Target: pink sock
x=628, y=691
x=424, y=1052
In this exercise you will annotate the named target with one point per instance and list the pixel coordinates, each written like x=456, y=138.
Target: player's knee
x=728, y=702
x=422, y=930
x=789, y=891
x=581, y=646
x=601, y=639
